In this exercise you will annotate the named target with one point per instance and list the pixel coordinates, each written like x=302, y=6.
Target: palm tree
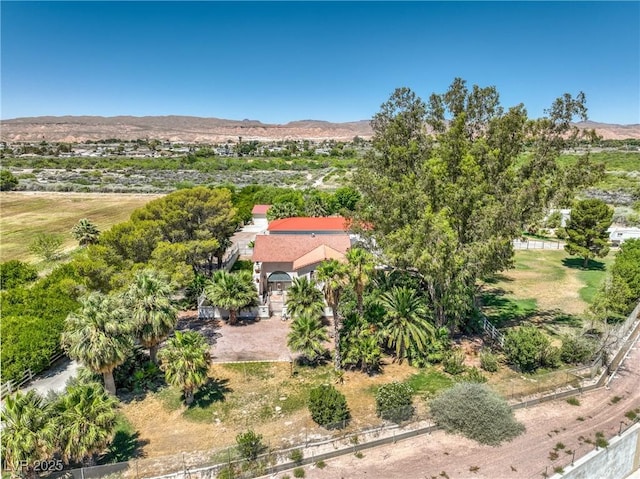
x=99, y=336
x=361, y=267
x=154, y=317
x=406, y=325
x=185, y=361
x=307, y=336
x=86, y=416
x=27, y=432
x=304, y=298
x=232, y=291
x=334, y=275
x=85, y=232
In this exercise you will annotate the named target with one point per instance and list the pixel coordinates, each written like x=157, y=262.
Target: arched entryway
x=278, y=281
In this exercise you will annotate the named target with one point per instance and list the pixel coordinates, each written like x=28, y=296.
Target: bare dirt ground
x=252, y=341
x=528, y=456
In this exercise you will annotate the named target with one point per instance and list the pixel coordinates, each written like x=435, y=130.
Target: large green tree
x=153, y=315
x=99, y=336
x=28, y=434
x=86, y=417
x=449, y=185
x=627, y=266
x=334, y=277
x=232, y=291
x=185, y=361
x=587, y=234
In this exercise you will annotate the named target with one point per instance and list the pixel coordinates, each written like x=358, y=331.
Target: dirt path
x=441, y=455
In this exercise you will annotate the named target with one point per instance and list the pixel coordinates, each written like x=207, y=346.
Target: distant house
x=259, y=212
x=329, y=225
x=281, y=258
x=618, y=235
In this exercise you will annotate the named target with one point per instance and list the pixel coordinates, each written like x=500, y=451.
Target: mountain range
x=190, y=129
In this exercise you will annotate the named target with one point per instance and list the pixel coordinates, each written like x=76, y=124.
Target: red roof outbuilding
x=337, y=224
x=260, y=209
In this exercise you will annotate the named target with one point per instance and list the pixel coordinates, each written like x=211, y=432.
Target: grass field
x=545, y=285
x=27, y=214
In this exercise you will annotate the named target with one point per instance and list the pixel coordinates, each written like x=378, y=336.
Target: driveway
x=55, y=378
x=250, y=340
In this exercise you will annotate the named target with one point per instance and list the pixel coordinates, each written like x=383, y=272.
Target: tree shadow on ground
x=507, y=312
x=214, y=391
x=210, y=329
x=497, y=278
x=578, y=263
x=126, y=445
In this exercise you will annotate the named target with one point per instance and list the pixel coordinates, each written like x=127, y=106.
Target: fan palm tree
x=307, y=336
x=154, y=317
x=185, y=361
x=27, y=432
x=334, y=276
x=304, y=298
x=85, y=232
x=86, y=417
x=406, y=324
x=232, y=291
x=99, y=336
x=361, y=268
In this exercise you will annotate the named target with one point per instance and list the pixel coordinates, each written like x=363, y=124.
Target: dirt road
x=555, y=430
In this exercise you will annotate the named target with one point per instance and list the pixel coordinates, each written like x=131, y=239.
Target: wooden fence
x=10, y=387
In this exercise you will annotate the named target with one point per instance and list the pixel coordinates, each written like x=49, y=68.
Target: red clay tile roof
x=260, y=209
x=317, y=255
x=289, y=248
x=327, y=223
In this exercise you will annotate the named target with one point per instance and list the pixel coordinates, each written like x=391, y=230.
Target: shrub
x=250, y=444
x=453, y=362
x=328, y=407
x=16, y=273
x=576, y=349
x=574, y=401
x=320, y=464
x=227, y=472
x=474, y=375
x=476, y=412
x=46, y=245
x=393, y=402
x=8, y=181
x=530, y=349
x=298, y=472
x=296, y=456
x=488, y=361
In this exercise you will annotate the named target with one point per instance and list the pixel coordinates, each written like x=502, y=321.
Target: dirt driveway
x=264, y=340
x=555, y=430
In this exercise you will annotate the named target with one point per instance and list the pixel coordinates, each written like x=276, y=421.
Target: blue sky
x=335, y=61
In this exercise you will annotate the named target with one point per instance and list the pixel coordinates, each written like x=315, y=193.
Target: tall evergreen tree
x=587, y=234
x=447, y=188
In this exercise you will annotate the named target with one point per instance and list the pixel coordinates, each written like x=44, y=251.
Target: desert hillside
x=174, y=128
x=208, y=130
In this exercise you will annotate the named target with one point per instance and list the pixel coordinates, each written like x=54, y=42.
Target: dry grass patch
x=262, y=396
x=25, y=214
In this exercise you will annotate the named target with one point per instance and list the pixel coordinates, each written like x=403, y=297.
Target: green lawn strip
x=593, y=278
x=429, y=381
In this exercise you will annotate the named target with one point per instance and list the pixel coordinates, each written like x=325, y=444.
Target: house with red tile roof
x=279, y=258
